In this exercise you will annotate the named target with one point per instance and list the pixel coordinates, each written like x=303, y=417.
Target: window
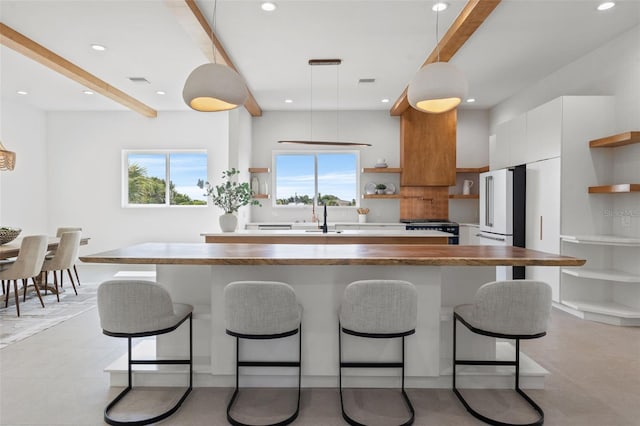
x=146, y=174
x=330, y=177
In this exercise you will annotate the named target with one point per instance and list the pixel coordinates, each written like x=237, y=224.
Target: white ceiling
x=520, y=43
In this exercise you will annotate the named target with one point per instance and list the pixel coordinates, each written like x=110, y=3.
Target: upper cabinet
x=509, y=146
x=544, y=132
x=428, y=148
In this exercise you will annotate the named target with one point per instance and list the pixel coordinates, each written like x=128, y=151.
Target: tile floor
x=56, y=378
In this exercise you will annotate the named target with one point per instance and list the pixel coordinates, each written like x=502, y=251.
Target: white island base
x=319, y=289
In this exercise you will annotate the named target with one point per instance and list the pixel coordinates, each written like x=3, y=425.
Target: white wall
x=23, y=191
x=612, y=69
x=240, y=125
x=85, y=173
x=472, y=149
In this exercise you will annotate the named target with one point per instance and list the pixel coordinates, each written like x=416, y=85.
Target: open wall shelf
x=380, y=196
x=621, y=139
x=382, y=170
x=464, y=197
x=615, y=189
x=472, y=169
x=603, y=274
x=259, y=170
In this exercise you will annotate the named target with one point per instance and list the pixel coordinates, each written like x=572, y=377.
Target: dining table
x=12, y=249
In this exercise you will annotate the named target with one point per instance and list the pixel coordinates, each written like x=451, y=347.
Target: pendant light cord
x=213, y=24
x=437, y=40
x=337, y=103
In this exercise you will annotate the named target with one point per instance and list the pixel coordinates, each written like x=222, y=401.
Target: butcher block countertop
x=321, y=254
x=316, y=236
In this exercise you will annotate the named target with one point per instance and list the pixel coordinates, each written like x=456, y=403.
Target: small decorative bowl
x=8, y=234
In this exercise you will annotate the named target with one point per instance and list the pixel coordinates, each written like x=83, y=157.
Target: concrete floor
x=56, y=378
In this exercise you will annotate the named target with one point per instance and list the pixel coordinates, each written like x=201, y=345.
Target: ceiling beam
x=474, y=13
x=195, y=24
x=29, y=48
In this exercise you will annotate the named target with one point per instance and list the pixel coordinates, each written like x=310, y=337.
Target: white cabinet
x=509, y=146
x=543, y=218
x=544, y=131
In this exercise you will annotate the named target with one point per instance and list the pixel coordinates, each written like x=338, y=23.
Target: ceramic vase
x=228, y=222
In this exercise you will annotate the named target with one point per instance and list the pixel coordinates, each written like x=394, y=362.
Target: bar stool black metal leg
x=239, y=364
x=400, y=365
x=110, y=420
x=515, y=364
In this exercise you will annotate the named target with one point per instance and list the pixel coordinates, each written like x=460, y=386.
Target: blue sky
x=336, y=175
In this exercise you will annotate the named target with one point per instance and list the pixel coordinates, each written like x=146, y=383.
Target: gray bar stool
x=518, y=309
x=378, y=309
x=139, y=309
x=262, y=310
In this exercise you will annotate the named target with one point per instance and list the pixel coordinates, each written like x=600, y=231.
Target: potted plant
x=230, y=196
x=380, y=188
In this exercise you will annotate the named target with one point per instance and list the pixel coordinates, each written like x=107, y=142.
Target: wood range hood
x=428, y=161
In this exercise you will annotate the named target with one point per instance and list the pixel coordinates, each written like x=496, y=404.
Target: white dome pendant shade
x=214, y=87
x=437, y=87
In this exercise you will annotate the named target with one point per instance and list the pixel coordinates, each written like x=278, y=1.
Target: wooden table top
x=13, y=248
x=319, y=254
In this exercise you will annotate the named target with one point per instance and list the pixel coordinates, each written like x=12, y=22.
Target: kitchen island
x=197, y=273
x=316, y=236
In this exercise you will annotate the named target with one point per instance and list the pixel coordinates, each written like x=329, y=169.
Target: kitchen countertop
x=316, y=236
x=320, y=254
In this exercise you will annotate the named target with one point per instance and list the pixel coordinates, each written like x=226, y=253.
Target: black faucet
x=324, y=225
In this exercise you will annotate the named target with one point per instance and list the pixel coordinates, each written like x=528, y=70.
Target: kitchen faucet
x=324, y=225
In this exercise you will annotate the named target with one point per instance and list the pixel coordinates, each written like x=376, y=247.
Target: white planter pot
x=228, y=222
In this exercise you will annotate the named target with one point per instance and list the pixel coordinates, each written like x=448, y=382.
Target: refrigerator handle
x=488, y=205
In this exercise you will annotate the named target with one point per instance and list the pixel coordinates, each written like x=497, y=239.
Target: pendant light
x=214, y=87
x=437, y=87
x=7, y=158
x=312, y=63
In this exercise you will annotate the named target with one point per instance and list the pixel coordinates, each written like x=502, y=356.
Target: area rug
x=34, y=319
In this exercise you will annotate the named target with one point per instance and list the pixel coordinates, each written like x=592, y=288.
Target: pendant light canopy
x=437, y=87
x=214, y=87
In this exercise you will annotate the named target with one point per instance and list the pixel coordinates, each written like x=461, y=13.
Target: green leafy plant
x=231, y=195
x=381, y=186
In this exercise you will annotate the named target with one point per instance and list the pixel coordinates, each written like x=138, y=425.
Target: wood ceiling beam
x=474, y=13
x=195, y=24
x=29, y=48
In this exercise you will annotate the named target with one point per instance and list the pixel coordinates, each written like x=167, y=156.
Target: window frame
x=315, y=154
x=124, y=190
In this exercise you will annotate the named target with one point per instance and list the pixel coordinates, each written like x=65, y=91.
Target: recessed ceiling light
x=98, y=47
x=288, y=101
x=471, y=100
x=22, y=92
x=606, y=5
x=87, y=92
x=268, y=6
x=439, y=7
x=160, y=92
x=385, y=100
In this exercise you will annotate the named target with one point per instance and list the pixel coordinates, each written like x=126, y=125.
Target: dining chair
x=27, y=265
x=62, y=260
x=59, y=233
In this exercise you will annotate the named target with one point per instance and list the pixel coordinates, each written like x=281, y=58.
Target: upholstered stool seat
x=518, y=309
x=378, y=309
x=262, y=310
x=139, y=309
